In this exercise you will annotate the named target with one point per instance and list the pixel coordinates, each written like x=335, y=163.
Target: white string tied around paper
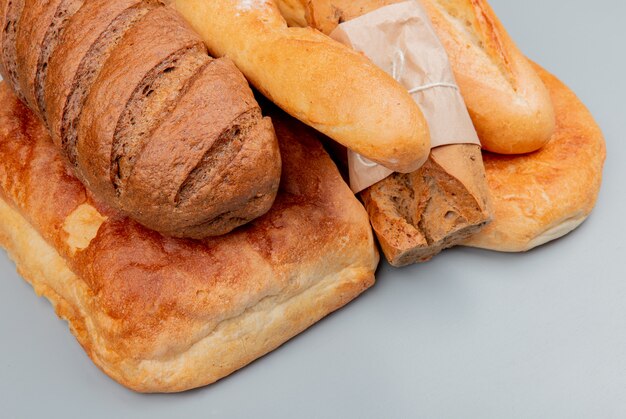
x=365, y=162
x=397, y=69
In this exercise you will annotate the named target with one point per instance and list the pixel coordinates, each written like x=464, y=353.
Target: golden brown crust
x=544, y=195
x=509, y=105
x=315, y=79
x=164, y=314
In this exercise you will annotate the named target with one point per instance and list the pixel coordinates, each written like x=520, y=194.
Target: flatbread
x=541, y=196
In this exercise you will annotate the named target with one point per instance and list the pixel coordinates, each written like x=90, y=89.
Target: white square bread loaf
x=159, y=314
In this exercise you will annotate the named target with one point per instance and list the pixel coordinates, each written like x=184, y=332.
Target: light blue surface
x=471, y=334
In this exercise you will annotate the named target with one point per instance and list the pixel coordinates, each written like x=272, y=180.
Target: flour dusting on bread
x=248, y=5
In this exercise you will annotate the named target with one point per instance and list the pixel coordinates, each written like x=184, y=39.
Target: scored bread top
x=10, y=14
x=128, y=74
x=93, y=32
x=30, y=39
x=115, y=80
x=508, y=102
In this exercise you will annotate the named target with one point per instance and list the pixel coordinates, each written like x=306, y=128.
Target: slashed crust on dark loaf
x=108, y=76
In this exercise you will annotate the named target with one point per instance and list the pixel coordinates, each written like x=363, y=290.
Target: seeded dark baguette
x=152, y=124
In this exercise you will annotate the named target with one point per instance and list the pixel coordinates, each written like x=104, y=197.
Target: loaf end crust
x=418, y=215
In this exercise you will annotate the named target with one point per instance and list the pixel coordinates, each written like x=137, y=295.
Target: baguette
x=315, y=79
x=154, y=126
x=508, y=103
x=417, y=215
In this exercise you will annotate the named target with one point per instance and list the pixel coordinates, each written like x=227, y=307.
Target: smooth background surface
x=471, y=334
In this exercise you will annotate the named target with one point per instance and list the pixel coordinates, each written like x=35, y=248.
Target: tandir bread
x=544, y=195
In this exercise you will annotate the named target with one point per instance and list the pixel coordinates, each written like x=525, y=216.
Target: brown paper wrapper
x=400, y=39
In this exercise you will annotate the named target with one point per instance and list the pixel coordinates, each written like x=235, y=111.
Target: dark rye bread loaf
x=152, y=124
